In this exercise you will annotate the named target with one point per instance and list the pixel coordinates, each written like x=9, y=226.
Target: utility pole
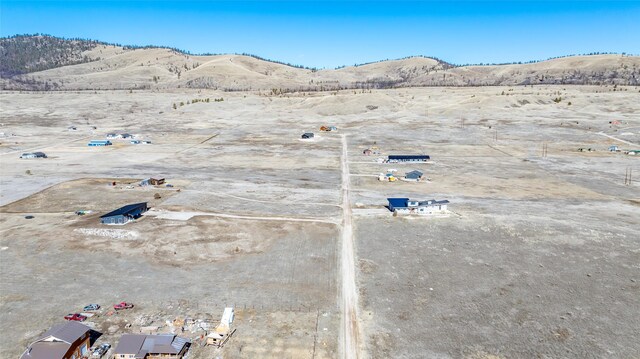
x=627, y=176
x=544, y=150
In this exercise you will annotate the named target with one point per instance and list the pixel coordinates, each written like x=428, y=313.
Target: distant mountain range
x=39, y=62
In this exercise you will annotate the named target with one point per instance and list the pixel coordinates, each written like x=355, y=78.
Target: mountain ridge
x=42, y=62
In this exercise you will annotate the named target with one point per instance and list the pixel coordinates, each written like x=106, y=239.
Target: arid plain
x=540, y=256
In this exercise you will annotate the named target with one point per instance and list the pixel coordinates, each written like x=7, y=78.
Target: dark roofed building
x=414, y=175
x=140, y=346
x=408, y=206
x=124, y=214
x=63, y=341
x=33, y=155
x=409, y=158
x=307, y=135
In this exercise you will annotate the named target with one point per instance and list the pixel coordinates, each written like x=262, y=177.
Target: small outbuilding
x=156, y=181
x=222, y=332
x=408, y=158
x=614, y=148
x=33, y=155
x=307, y=135
x=124, y=214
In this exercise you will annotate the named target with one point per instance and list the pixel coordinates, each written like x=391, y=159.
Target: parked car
x=76, y=317
x=90, y=307
x=101, y=350
x=122, y=305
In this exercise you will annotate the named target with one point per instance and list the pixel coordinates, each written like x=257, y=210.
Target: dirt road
x=350, y=328
x=184, y=216
x=617, y=139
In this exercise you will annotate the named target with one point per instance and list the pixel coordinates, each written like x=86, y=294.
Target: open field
x=539, y=257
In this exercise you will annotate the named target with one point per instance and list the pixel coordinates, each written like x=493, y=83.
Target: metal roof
x=46, y=350
x=55, y=342
x=130, y=344
x=431, y=202
x=403, y=202
x=67, y=332
x=141, y=345
x=415, y=173
x=125, y=210
x=409, y=157
x=398, y=202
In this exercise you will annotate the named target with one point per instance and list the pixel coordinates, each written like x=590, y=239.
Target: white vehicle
x=101, y=350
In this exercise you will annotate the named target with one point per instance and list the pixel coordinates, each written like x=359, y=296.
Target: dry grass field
x=538, y=257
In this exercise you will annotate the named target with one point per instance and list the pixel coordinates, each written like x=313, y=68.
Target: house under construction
x=223, y=331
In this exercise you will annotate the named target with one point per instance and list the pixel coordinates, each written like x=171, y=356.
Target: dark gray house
x=124, y=214
x=307, y=135
x=413, y=176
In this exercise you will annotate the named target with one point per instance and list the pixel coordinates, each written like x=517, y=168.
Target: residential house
x=70, y=340
x=124, y=214
x=408, y=158
x=413, y=176
x=140, y=346
x=408, y=206
x=33, y=155
x=307, y=135
x=96, y=143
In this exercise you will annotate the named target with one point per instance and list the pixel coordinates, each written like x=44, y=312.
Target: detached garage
x=125, y=214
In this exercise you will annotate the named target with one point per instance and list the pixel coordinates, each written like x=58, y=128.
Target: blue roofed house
x=408, y=206
x=124, y=214
x=99, y=143
x=138, y=346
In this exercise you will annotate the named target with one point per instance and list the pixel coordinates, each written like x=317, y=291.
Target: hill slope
x=44, y=62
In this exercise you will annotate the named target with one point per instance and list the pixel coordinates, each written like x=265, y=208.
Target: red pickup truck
x=77, y=317
x=122, y=305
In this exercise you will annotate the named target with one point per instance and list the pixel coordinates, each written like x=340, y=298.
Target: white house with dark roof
x=140, y=346
x=409, y=206
x=70, y=340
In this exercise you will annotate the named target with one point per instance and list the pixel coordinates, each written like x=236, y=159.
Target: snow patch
x=110, y=233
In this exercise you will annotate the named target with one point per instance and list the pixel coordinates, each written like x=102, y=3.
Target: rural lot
x=539, y=256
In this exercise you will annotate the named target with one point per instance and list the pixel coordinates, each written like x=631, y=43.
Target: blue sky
x=334, y=33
